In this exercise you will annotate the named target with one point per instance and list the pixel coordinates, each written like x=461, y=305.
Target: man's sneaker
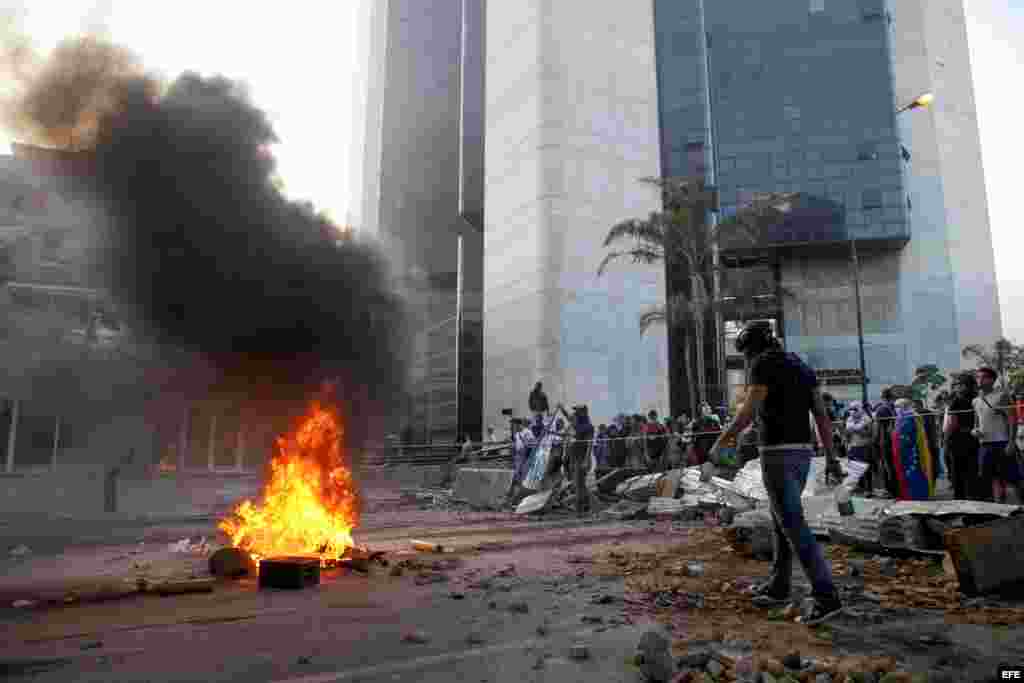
x=766, y=595
x=821, y=611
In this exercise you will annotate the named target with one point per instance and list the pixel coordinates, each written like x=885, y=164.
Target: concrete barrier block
x=66, y=491
x=987, y=557
x=483, y=487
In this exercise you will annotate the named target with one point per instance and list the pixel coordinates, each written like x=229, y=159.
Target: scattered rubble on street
x=896, y=564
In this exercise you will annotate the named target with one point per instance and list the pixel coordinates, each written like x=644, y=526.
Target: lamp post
x=920, y=101
x=711, y=180
x=459, y=350
x=860, y=321
x=923, y=100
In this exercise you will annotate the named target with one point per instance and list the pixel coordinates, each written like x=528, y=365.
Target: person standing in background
x=997, y=465
x=579, y=455
x=885, y=424
x=538, y=402
x=602, y=451
x=961, y=444
x=522, y=448
x=859, y=431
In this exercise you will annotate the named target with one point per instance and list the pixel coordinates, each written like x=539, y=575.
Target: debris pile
x=737, y=661
x=696, y=575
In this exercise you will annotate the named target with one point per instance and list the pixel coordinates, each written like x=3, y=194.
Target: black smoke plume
x=201, y=248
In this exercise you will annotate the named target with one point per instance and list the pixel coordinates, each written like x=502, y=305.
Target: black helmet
x=755, y=337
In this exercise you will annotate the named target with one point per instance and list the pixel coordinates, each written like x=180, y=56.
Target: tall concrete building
x=417, y=173
x=585, y=99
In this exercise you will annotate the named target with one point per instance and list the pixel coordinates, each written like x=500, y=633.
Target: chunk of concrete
x=484, y=488
x=987, y=557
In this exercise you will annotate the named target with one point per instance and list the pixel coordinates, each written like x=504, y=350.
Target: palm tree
x=680, y=234
x=1003, y=357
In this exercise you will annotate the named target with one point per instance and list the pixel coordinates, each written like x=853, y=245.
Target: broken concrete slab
x=609, y=482
x=483, y=488
x=640, y=488
x=626, y=509
x=660, y=507
x=987, y=557
x=887, y=525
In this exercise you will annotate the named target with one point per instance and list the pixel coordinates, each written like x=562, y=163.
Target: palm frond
x=650, y=231
x=977, y=352
x=637, y=255
x=652, y=316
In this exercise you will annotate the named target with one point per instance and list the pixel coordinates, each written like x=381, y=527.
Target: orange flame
x=308, y=506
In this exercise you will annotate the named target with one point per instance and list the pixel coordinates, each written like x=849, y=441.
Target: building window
x=871, y=199
x=817, y=6
x=872, y=10
x=867, y=151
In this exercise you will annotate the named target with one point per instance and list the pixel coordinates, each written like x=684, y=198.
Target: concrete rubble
x=482, y=488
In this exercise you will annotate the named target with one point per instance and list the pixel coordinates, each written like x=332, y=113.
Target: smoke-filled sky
x=199, y=248
x=299, y=62
x=296, y=59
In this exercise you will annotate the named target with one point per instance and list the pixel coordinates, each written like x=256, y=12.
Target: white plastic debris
x=181, y=546
x=20, y=551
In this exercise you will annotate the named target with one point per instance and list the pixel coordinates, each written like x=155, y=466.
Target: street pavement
x=516, y=609
x=517, y=600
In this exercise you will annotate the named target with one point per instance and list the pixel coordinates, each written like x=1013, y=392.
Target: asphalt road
x=517, y=601
x=355, y=627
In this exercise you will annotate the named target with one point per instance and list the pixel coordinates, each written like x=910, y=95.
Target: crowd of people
x=969, y=437
x=972, y=436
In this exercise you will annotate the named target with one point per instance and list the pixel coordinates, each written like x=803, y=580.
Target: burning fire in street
x=308, y=506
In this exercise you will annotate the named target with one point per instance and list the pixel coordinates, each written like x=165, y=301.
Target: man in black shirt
x=782, y=391
x=960, y=442
x=885, y=423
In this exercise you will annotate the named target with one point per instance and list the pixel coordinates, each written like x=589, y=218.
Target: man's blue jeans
x=785, y=474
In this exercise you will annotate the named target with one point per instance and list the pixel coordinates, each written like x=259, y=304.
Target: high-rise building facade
x=802, y=96
x=583, y=100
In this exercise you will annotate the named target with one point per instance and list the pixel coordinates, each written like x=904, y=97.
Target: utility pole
x=855, y=262
x=711, y=180
x=459, y=302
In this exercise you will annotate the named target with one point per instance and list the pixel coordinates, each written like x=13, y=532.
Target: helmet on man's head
x=755, y=337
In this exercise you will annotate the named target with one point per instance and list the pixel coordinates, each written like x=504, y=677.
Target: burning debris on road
x=308, y=505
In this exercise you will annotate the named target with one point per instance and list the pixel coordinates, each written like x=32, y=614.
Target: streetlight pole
x=860, y=320
x=711, y=180
x=459, y=303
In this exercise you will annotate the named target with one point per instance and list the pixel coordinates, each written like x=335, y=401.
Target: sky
x=298, y=60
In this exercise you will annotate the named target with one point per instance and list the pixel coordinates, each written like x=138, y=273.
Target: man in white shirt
x=997, y=465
